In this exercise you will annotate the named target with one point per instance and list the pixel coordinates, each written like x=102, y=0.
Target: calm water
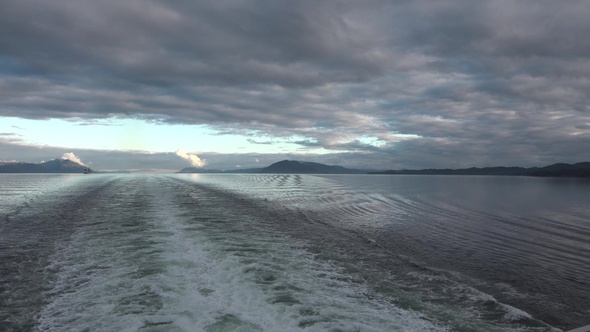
x=293, y=253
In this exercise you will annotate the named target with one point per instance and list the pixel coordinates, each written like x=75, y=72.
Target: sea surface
x=271, y=252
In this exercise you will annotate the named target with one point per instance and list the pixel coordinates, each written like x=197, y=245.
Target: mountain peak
x=306, y=167
x=51, y=166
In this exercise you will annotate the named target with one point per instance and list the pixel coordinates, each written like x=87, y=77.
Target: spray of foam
x=71, y=156
x=192, y=158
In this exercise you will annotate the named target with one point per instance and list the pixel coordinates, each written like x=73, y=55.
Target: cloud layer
x=415, y=83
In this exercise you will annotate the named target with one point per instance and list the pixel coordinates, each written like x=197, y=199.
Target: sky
x=161, y=85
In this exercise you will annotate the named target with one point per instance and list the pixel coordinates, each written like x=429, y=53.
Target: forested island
x=578, y=170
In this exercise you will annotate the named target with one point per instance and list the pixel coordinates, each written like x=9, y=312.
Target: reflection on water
x=525, y=240
x=293, y=252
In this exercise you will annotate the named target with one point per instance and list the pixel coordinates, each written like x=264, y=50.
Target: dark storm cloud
x=495, y=82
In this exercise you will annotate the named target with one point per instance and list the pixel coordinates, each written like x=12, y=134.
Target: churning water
x=293, y=253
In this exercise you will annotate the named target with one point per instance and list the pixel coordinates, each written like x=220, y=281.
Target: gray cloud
x=495, y=82
x=143, y=160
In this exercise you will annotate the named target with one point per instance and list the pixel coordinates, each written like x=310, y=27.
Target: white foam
x=514, y=314
x=207, y=276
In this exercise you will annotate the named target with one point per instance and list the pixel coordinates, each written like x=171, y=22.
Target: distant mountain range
x=579, y=170
x=52, y=166
x=285, y=167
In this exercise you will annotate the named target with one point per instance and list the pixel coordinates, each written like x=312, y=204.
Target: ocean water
x=253, y=252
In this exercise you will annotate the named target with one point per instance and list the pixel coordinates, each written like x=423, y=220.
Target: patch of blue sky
x=135, y=134
x=370, y=140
